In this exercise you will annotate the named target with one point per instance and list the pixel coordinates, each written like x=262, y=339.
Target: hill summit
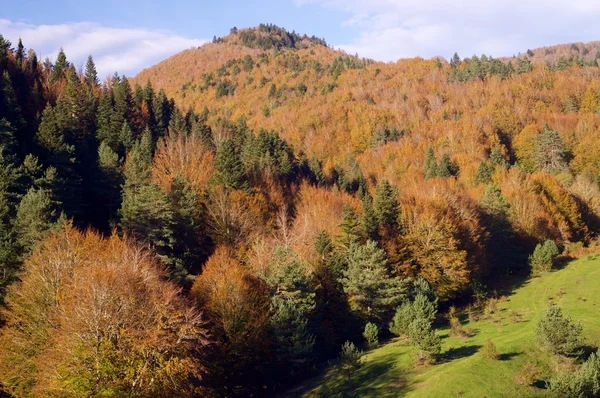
x=269, y=36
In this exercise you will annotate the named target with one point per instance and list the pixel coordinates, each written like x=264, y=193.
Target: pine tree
x=109, y=189
x=35, y=216
x=558, y=334
x=229, y=170
x=431, y=167
x=91, y=75
x=370, y=222
x=372, y=291
x=105, y=129
x=351, y=233
x=549, y=151
x=446, y=168
x=387, y=207
x=60, y=66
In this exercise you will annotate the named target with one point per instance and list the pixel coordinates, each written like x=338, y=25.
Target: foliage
x=350, y=357
x=489, y=350
x=584, y=382
x=371, y=334
x=558, y=334
x=122, y=328
x=543, y=256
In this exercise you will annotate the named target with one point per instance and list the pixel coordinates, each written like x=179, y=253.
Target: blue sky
x=129, y=35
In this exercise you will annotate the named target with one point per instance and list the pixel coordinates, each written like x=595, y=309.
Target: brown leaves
x=184, y=156
x=94, y=315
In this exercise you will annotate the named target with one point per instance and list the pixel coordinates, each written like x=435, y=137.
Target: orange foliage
x=184, y=156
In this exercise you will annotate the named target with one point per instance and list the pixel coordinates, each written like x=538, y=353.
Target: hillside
x=562, y=53
x=226, y=222
x=388, y=371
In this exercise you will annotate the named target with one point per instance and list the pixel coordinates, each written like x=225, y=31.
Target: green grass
x=388, y=371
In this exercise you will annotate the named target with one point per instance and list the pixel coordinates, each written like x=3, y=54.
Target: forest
x=233, y=218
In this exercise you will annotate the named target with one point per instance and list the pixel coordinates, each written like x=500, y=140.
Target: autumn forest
x=243, y=214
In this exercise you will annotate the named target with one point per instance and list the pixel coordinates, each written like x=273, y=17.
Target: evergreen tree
x=351, y=233
x=60, y=66
x=91, y=75
x=549, y=151
x=558, y=334
x=372, y=291
x=431, y=167
x=110, y=180
x=387, y=207
x=370, y=221
x=35, y=216
x=229, y=170
x=447, y=167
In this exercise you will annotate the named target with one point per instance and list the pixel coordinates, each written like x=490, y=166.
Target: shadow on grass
x=508, y=356
x=460, y=352
x=379, y=378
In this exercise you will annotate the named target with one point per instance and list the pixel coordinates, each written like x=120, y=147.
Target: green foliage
x=422, y=335
x=489, y=350
x=584, y=382
x=386, y=207
x=371, y=334
x=35, y=215
x=543, y=256
x=558, y=334
x=350, y=357
x=549, y=151
x=373, y=292
x=229, y=170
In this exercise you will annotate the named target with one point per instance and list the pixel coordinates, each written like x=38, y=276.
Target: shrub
x=489, y=351
x=543, y=256
x=528, y=374
x=558, y=334
x=350, y=357
x=371, y=334
x=584, y=382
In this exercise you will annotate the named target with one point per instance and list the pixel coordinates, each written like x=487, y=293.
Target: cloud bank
x=122, y=50
x=392, y=29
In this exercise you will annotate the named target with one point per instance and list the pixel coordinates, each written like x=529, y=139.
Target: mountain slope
x=388, y=371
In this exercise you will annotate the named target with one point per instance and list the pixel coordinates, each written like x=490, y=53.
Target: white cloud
x=392, y=29
x=122, y=50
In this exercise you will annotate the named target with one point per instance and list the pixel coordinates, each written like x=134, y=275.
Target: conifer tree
x=370, y=221
x=431, y=167
x=91, y=75
x=229, y=170
x=60, y=66
x=373, y=292
x=351, y=233
x=386, y=207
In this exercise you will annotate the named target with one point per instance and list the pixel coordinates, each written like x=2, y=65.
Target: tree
x=369, y=221
x=372, y=291
x=447, y=167
x=229, y=170
x=584, y=382
x=95, y=316
x=60, y=67
x=35, y=215
x=423, y=336
x=91, y=75
x=350, y=357
x=371, y=334
x=431, y=167
x=350, y=227
x=549, y=151
x=386, y=207
x=489, y=351
x=543, y=256
x=557, y=333
x=421, y=307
